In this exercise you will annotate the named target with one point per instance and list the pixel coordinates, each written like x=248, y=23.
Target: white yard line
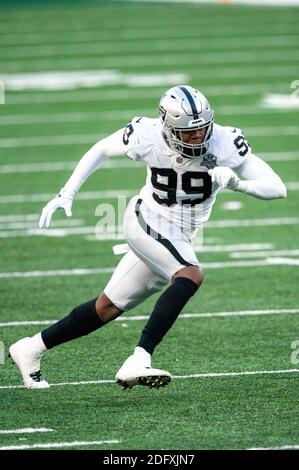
x=192, y=376
x=50, y=118
x=19, y=217
x=268, y=3
x=58, y=445
x=56, y=272
x=244, y=313
x=286, y=447
x=85, y=272
x=116, y=232
x=131, y=31
x=30, y=224
x=83, y=195
x=75, y=139
x=233, y=248
x=154, y=60
x=134, y=93
x=117, y=163
x=252, y=222
x=285, y=261
x=262, y=254
x=100, y=48
x=113, y=163
x=28, y=323
x=24, y=430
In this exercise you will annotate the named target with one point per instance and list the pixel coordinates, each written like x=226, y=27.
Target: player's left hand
x=224, y=177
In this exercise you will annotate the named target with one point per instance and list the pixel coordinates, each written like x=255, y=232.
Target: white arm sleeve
x=260, y=180
x=111, y=146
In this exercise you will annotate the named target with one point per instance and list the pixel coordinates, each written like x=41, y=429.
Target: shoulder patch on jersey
x=209, y=160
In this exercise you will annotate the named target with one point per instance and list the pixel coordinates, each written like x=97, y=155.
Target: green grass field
x=236, y=56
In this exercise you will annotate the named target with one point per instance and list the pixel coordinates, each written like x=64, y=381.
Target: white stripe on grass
x=95, y=271
x=134, y=93
x=70, y=80
x=285, y=447
x=115, y=232
x=24, y=430
x=30, y=224
x=19, y=217
x=178, y=377
x=263, y=254
x=244, y=313
x=268, y=3
x=131, y=32
x=115, y=163
x=119, y=116
x=118, y=163
x=100, y=48
x=94, y=234
x=58, y=445
x=75, y=139
x=83, y=195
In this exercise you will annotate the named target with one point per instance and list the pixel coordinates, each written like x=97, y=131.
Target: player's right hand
x=63, y=200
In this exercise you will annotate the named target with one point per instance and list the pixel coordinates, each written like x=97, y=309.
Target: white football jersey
x=181, y=189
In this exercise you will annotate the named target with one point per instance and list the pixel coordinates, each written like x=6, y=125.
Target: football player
x=189, y=160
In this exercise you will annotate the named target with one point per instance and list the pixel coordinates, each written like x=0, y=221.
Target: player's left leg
x=166, y=250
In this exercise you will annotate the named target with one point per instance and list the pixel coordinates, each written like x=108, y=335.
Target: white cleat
x=133, y=373
x=24, y=355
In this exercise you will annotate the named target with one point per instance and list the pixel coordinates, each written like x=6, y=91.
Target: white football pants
x=158, y=249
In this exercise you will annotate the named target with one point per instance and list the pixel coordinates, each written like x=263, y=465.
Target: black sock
x=81, y=321
x=166, y=311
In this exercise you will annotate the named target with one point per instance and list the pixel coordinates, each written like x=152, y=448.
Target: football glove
x=224, y=177
x=63, y=200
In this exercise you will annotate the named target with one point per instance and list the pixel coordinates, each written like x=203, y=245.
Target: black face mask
x=192, y=153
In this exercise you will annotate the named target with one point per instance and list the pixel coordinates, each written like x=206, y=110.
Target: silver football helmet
x=182, y=109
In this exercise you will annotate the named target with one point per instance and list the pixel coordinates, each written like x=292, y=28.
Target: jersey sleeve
x=134, y=139
x=237, y=148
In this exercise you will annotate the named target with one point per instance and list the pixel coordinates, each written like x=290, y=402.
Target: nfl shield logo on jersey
x=209, y=160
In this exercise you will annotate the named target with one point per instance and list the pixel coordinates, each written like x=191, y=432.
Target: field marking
x=133, y=93
x=285, y=261
x=279, y=101
x=143, y=34
x=58, y=445
x=115, y=232
x=83, y=195
x=192, y=376
x=233, y=248
x=24, y=430
x=70, y=80
x=19, y=217
x=293, y=186
x=116, y=163
x=98, y=48
x=118, y=116
x=78, y=139
x=86, y=272
x=64, y=166
x=182, y=316
x=271, y=3
x=286, y=447
x=263, y=254
x=29, y=224
x=133, y=31
x=154, y=60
